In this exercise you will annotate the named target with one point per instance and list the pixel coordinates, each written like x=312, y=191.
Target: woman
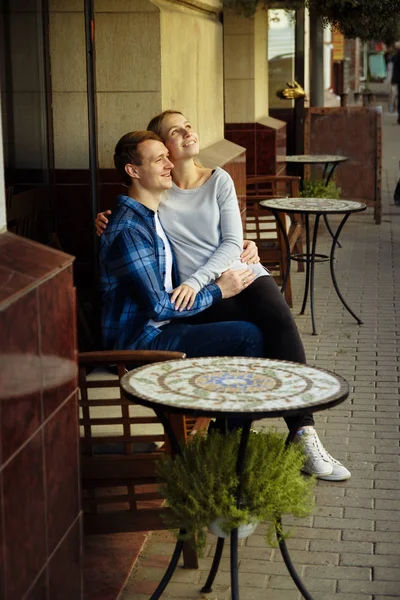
x=202, y=220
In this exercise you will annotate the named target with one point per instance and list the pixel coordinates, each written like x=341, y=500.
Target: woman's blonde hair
x=156, y=122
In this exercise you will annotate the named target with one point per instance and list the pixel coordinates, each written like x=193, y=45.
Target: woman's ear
x=132, y=171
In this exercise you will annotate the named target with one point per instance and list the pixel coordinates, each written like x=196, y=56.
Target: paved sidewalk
x=349, y=549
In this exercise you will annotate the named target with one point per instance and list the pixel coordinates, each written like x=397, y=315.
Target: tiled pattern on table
x=40, y=530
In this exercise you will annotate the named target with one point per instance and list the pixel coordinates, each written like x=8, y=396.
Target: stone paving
x=349, y=548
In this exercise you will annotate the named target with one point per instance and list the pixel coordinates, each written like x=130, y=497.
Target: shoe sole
x=309, y=472
x=332, y=478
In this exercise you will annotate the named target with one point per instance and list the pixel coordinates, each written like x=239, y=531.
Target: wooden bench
x=120, y=444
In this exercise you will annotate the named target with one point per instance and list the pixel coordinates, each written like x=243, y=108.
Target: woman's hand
x=183, y=297
x=101, y=222
x=249, y=255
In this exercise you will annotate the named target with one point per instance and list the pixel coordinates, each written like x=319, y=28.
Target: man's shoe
x=318, y=462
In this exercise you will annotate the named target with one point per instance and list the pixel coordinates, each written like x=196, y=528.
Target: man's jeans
x=231, y=338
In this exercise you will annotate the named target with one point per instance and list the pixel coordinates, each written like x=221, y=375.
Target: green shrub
x=316, y=188
x=201, y=483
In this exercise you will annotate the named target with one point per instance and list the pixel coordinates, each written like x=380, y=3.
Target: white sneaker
x=318, y=462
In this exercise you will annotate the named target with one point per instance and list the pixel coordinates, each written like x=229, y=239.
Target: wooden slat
x=123, y=473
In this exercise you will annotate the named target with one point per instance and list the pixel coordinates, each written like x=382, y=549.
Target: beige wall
x=246, y=67
x=69, y=90
x=192, y=67
x=150, y=56
x=128, y=70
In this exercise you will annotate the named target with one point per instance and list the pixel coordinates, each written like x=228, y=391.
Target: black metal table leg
x=290, y=567
x=282, y=544
x=169, y=571
x=307, y=283
x=207, y=588
x=173, y=563
x=312, y=268
x=244, y=438
x=332, y=266
x=234, y=565
x=328, y=178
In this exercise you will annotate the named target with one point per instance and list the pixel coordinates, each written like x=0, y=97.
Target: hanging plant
x=200, y=485
x=368, y=20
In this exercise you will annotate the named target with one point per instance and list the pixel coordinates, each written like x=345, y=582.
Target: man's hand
x=249, y=255
x=232, y=283
x=183, y=296
x=101, y=222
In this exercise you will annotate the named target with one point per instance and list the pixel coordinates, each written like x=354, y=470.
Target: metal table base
x=234, y=533
x=310, y=257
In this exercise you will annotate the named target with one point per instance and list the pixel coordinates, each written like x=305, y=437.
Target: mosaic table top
x=315, y=158
x=313, y=205
x=239, y=385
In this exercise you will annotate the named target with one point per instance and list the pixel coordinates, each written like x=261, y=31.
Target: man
x=138, y=269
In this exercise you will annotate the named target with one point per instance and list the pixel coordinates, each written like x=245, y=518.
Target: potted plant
x=200, y=484
x=317, y=188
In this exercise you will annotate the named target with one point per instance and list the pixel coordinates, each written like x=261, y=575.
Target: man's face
x=154, y=174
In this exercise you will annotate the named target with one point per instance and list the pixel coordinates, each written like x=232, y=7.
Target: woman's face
x=179, y=137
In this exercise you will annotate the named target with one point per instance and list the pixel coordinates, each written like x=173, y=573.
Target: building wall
x=247, y=122
x=192, y=67
x=128, y=70
x=40, y=530
x=141, y=68
x=245, y=62
x=68, y=80
x=2, y=190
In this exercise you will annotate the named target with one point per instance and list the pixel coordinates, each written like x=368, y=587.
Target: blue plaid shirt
x=132, y=274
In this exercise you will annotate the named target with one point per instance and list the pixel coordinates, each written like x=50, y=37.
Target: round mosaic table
x=330, y=162
x=227, y=387
x=317, y=207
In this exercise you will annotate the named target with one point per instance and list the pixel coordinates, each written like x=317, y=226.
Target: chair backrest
x=120, y=442
x=273, y=186
x=262, y=227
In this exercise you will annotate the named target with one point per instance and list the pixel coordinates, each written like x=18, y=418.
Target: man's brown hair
x=126, y=151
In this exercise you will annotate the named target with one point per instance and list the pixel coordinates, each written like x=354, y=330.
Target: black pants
x=263, y=304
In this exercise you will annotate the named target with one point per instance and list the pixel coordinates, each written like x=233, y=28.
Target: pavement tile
x=371, y=536
x=278, y=582
x=369, y=587
x=342, y=547
x=372, y=560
